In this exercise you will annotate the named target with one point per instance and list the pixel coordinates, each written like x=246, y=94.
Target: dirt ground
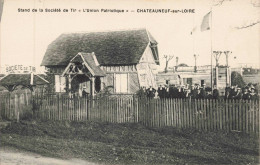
x=14, y=157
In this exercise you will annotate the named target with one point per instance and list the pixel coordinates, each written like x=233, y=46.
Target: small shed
x=11, y=81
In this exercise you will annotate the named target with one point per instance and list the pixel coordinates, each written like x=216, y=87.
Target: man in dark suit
x=203, y=92
x=194, y=92
x=151, y=92
x=161, y=91
x=215, y=92
x=227, y=91
x=166, y=92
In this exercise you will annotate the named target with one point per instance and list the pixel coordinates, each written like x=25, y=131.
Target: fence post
x=16, y=105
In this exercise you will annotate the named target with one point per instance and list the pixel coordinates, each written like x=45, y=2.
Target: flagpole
x=211, y=50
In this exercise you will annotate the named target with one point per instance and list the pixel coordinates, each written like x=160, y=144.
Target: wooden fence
x=12, y=106
x=201, y=114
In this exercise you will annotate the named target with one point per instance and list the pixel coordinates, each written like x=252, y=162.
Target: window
x=60, y=83
x=121, y=83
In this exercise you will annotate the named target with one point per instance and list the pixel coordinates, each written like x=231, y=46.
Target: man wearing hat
x=227, y=91
x=151, y=92
x=161, y=91
x=193, y=93
x=215, y=92
x=166, y=92
x=185, y=91
x=171, y=91
x=203, y=92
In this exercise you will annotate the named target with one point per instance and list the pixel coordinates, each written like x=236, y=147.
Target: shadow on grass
x=199, y=159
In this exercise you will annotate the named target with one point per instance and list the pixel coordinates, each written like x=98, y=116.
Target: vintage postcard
x=129, y=81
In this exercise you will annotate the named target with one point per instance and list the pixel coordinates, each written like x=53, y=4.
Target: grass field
x=130, y=143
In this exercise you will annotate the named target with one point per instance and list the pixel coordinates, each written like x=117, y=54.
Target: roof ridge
x=102, y=31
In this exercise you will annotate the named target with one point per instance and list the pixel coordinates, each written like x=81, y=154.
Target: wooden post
x=92, y=86
x=69, y=79
x=216, y=72
x=16, y=105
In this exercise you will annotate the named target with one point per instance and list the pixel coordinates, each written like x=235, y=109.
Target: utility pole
x=228, y=74
x=217, y=55
x=177, y=62
x=195, y=57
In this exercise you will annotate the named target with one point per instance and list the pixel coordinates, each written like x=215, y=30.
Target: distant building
x=187, y=75
x=251, y=75
x=125, y=60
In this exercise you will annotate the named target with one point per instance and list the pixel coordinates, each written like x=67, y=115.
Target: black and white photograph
x=138, y=82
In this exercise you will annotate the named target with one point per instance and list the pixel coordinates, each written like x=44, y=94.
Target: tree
x=237, y=79
x=182, y=65
x=168, y=59
x=244, y=24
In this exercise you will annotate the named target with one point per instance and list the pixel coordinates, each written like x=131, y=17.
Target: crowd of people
x=200, y=92
x=249, y=92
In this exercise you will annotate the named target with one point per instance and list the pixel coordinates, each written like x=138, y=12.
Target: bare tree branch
x=217, y=2
x=246, y=26
x=255, y=3
x=168, y=58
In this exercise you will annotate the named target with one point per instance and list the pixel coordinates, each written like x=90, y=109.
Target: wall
x=147, y=69
x=52, y=71
x=132, y=77
x=180, y=78
x=252, y=78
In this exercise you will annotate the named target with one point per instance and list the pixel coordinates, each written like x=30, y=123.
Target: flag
x=205, y=22
x=1, y=8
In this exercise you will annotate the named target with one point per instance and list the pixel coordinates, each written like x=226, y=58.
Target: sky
x=25, y=36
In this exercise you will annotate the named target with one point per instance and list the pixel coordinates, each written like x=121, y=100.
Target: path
x=13, y=157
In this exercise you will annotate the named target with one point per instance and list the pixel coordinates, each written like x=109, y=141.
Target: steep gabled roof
x=90, y=62
x=111, y=48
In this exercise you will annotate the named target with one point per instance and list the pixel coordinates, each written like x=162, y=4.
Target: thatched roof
x=111, y=48
x=22, y=79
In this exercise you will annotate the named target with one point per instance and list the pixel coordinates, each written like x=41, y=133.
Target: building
x=251, y=75
x=124, y=60
x=186, y=75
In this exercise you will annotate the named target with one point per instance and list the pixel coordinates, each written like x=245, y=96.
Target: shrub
x=237, y=79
